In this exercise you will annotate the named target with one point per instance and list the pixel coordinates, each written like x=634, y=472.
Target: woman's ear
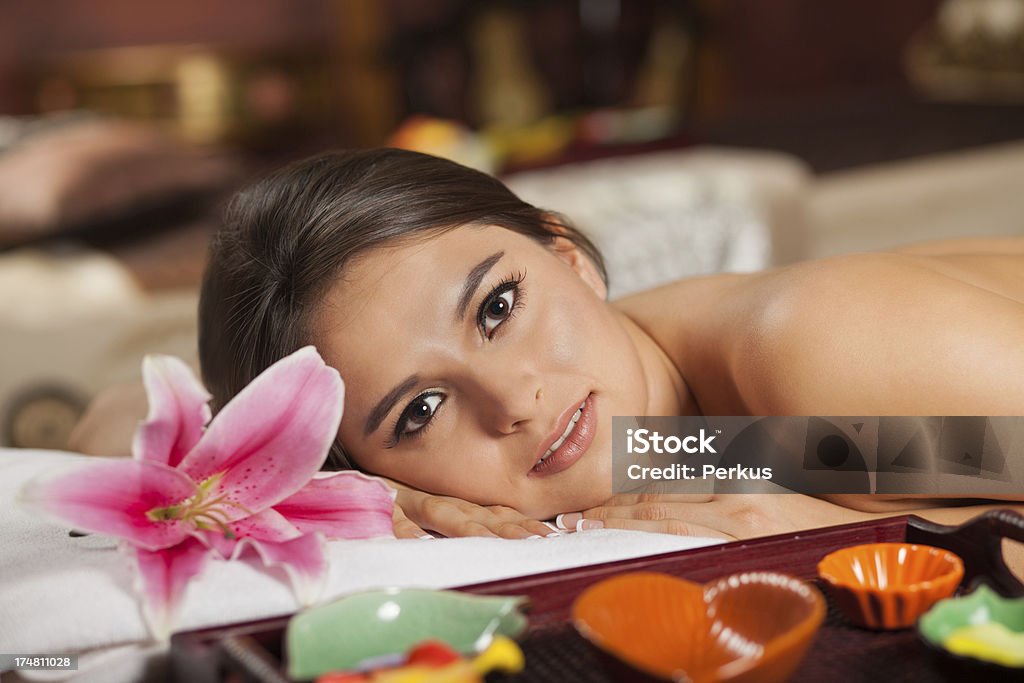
x=567, y=251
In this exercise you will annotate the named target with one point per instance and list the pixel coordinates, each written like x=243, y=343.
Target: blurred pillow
x=668, y=215
x=91, y=171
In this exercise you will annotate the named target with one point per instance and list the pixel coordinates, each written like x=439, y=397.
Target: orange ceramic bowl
x=889, y=585
x=752, y=627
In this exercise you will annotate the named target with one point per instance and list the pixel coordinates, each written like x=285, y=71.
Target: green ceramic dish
x=345, y=634
x=994, y=624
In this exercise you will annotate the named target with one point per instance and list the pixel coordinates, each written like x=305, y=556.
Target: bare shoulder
x=888, y=333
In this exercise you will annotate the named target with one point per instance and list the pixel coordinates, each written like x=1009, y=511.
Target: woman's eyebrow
x=473, y=281
x=385, y=405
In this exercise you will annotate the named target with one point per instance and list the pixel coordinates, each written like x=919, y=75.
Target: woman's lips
x=574, y=446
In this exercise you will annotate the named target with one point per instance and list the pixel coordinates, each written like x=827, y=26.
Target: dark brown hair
x=287, y=238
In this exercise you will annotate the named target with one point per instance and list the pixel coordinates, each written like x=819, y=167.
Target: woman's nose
x=509, y=402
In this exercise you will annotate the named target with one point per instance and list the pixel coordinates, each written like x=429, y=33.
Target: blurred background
x=687, y=136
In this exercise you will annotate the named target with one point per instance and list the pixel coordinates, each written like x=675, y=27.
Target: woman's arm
x=109, y=421
x=748, y=515
x=977, y=245
x=733, y=516
x=900, y=502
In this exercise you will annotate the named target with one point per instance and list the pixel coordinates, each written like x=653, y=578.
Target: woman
x=483, y=363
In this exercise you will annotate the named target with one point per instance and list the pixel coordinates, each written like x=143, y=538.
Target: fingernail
x=587, y=524
x=534, y=536
x=426, y=537
x=553, y=534
x=567, y=520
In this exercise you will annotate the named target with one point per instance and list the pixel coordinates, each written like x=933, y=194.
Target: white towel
x=74, y=595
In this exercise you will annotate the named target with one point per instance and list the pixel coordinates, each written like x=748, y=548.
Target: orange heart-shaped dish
x=753, y=627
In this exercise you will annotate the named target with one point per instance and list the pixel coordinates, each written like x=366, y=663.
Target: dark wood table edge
x=197, y=655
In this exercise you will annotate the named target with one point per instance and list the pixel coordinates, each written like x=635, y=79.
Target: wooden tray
x=252, y=651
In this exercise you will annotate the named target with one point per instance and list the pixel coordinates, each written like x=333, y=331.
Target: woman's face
x=469, y=355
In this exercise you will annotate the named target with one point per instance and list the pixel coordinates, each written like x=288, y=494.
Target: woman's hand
x=729, y=516
x=417, y=512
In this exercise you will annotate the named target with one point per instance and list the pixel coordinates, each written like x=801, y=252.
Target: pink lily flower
x=251, y=479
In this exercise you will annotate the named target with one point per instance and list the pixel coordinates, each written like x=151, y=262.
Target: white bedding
x=62, y=595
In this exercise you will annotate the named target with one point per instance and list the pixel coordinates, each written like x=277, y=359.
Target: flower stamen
x=202, y=513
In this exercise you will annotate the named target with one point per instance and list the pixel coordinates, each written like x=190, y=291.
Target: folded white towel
x=62, y=595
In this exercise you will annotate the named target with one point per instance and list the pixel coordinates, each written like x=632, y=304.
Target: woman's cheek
x=567, y=335
x=462, y=465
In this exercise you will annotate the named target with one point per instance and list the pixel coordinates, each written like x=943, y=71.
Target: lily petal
x=112, y=497
x=265, y=526
x=273, y=436
x=342, y=505
x=178, y=411
x=163, y=577
x=303, y=559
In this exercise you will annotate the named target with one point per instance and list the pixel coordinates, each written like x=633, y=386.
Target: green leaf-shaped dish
x=340, y=635
x=995, y=622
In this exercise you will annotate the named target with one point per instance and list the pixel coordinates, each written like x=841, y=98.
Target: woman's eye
x=419, y=412
x=498, y=310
